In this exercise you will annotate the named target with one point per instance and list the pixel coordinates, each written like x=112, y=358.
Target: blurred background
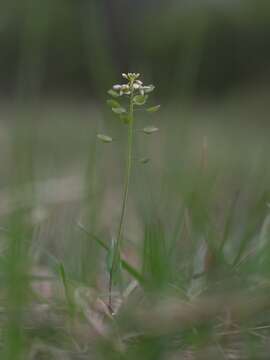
x=206, y=185
x=76, y=49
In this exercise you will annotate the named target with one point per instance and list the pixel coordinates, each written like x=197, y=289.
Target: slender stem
x=117, y=252
x=128, y=173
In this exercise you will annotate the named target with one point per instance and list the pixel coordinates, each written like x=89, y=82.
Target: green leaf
x=153, y=109
x=140, y=99
x=150, y=130
x=94, y=237
x=113, y=93
x=119, y=110
x=70, y=303
x=129, y=268
x=104, y=138
x=114, y=261
x=110, y=256
x=113, y=103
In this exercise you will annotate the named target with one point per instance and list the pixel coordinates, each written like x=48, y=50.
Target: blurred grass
x=197, y=231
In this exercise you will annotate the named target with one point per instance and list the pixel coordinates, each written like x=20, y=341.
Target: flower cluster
x=133, y=85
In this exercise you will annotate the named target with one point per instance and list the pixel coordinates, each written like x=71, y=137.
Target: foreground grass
x=196, y=260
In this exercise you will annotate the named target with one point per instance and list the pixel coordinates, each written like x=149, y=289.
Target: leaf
x=113, y=93
x=94, y=237
x=113, y=103
x=153, y=109
x=129, y=268
x=104, y=138
x=114, y=261
x=68, y=295
x=110, y=256
x=150, y=130
x=140, y=99
x=119, y=110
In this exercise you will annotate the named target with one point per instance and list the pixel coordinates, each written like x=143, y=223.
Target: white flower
x=133, y=85
x=136, y=86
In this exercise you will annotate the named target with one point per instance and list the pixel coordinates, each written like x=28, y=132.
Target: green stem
x=116, y=257
x=128, y=173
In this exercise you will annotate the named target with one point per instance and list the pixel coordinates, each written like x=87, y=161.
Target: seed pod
x=150, y=130
x=153, y=109
x=104, y=138
x=144, y=160
x=119, y=110
x=113, y=103
x=113, y=93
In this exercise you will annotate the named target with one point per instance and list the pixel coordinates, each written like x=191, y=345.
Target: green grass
x=195, y=259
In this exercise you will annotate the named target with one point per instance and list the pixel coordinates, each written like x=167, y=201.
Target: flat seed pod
x=119, y=110
x=150, y=130
x=104, y=138
x=153, y=109
x=113, y=103
x=144, y=160
x=113, y=93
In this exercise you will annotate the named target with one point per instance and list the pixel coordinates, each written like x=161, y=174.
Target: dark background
x=203, y=48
